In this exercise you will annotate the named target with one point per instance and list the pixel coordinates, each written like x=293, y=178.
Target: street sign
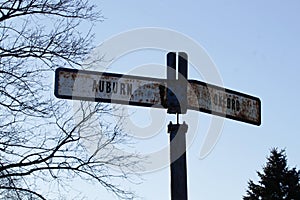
x=109, y=88
x=176, y=94
x=152, y=92
x=223, y=102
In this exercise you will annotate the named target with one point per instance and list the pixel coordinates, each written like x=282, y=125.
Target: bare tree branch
x=42, y=139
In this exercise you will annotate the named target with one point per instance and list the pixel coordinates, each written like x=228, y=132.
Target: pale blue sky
x=255, y=46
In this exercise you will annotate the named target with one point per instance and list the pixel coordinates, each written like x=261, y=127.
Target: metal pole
x=177, y=104
x=178, y=161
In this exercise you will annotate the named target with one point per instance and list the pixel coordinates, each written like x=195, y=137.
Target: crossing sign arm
x=152, y=92
x=224, y=102
x=109, y=88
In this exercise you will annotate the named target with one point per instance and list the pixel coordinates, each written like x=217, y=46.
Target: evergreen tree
x=277, y=181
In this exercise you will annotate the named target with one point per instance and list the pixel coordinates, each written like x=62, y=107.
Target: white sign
x=151, y=92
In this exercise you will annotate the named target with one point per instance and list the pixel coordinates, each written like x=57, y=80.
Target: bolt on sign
x=152, y=92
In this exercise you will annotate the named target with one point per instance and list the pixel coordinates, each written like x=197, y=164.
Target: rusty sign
x=152, y=92
x=108, y=87
x=223, y=102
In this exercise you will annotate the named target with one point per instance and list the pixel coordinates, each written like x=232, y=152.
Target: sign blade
x=224, y=102
x=109, y=88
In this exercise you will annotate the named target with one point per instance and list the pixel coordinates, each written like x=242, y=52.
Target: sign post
x=176, y=94
x=178, y=168
x=177, y=104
